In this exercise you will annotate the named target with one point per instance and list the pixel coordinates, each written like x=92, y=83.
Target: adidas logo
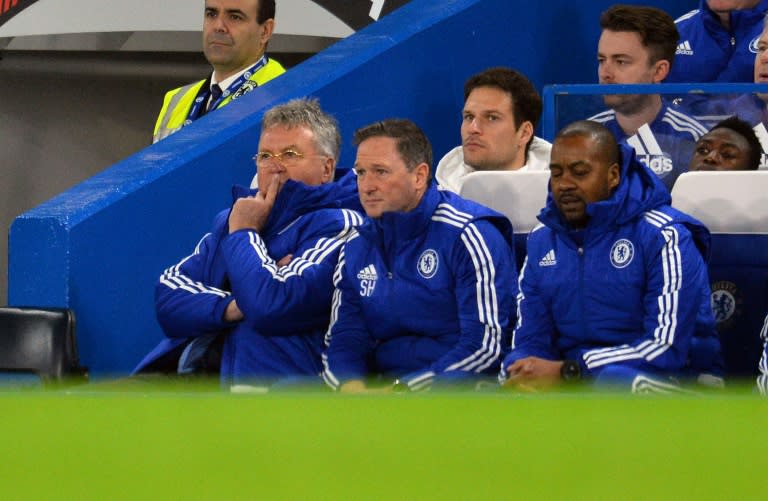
x=367, y=277
x=549, y=259
x=368, y=273
x=684, y=49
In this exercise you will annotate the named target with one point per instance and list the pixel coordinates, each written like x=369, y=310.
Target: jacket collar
x=740, y=19
x=404, y=225
x=639, y=190
x=296, y=199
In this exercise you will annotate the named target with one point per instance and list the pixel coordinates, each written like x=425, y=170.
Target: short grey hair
x=306, y=112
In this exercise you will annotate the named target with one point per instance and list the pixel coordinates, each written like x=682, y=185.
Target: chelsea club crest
x=247, y=87
x=726, y=303
x=622, y=253
x=428, y=263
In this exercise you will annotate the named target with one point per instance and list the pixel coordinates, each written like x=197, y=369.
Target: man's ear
x=329, y=168
x=660, y=70
x=614, y=176
x=526, y=132
x=422, y=175
x=266, y=34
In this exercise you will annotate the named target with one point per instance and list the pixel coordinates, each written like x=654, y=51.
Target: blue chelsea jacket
x=422, y=295
x=633, y=291
x=309, y=222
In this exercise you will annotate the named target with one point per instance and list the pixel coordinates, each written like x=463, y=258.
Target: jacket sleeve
x=348, y=343
x=762, y=379
x=485, y=289
x=534, y=331
x=675, y=273
x=285, y=300
x=187, y=306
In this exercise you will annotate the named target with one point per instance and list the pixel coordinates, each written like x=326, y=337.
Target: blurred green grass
x=208, y=445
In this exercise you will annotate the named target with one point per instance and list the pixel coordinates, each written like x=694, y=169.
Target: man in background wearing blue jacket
x=718, y=41
x=425, y=288
x=614, y=287
x=255, y=296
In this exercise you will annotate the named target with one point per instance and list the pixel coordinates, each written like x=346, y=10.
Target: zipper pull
x=733, y=41
x=389, y=275
x=580, y=251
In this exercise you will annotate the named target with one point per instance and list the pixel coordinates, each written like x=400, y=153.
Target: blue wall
x=99, y=247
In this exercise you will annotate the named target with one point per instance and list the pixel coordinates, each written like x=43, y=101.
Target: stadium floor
x=91, y=444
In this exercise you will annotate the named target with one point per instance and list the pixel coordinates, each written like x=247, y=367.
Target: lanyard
x=200, y=101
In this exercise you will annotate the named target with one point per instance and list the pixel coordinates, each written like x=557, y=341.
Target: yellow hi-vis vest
x=178, y=102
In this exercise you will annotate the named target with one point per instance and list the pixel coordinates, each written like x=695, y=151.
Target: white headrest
x=518, y=195
x=726, y=202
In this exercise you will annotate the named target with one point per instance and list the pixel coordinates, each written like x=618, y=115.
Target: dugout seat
x=38, y=344
x=518, y=195
x=733, y=205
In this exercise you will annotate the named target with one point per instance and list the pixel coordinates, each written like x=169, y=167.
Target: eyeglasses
x=287, y=158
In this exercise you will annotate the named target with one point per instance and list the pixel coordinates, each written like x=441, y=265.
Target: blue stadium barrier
x=99, y=247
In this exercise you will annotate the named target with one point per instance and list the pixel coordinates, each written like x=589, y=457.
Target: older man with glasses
x=253, y=300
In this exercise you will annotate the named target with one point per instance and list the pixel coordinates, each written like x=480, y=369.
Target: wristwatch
x=570, y=370
x=400, y=386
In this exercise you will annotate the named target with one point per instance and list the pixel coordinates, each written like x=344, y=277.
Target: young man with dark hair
x=235, y=38
x=425, y=287
x=501, y=112
x=637, y=46
x=730, y=145
x=615, y=288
